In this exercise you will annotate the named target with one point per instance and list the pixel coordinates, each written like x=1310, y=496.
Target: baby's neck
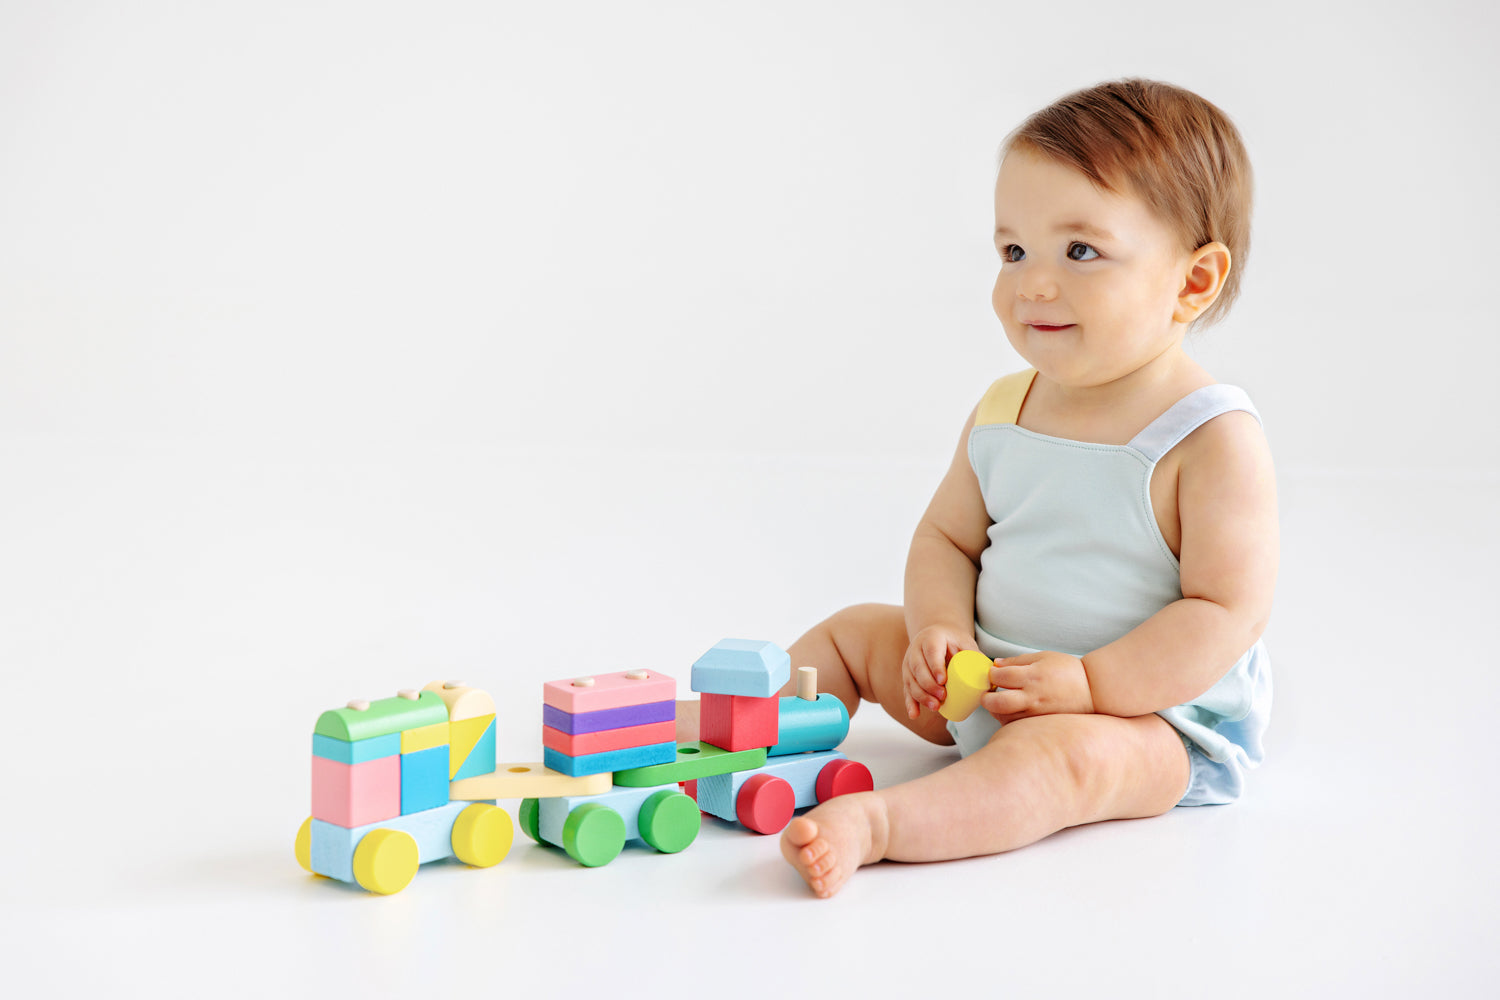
x=1115, y=412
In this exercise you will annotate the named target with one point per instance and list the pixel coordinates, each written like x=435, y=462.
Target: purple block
x=609, y=718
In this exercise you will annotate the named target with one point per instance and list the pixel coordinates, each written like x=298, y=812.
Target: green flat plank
x=388, y=715
x=694, y=760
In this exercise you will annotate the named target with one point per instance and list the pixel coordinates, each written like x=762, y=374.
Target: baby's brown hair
x=1166, y=145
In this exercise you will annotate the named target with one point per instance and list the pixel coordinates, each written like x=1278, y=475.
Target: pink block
x=578, y=744
x=351, y=795
x=616, y=690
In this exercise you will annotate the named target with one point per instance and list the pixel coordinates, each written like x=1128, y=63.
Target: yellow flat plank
x=527, y=781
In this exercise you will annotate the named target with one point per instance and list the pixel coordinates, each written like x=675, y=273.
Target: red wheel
x=843, y=777
x=765, y=804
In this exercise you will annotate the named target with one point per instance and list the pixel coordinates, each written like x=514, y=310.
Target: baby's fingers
x=925, y=676
x=935, y=653
x=920, y=687
x=1004, y=703
x=1011, y=675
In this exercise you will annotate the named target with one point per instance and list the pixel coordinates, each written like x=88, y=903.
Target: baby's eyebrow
x=1068, y=228
x=1085, y=229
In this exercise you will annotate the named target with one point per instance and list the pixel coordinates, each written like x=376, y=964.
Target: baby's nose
x=1037, y=287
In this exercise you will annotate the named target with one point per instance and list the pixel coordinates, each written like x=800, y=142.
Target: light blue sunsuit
x=1075, y=560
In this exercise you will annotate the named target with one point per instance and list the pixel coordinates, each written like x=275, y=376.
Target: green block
x=694, y=761
x=383, y=717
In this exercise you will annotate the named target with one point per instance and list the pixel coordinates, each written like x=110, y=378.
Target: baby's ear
x=1207, y=269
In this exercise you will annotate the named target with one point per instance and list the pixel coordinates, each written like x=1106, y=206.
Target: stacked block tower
x=609, y=722
x=380, y=781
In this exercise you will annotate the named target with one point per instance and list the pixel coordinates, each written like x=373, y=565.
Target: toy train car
x=380, y=780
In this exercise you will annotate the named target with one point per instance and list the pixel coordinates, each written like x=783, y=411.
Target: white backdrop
x=726, y=227
x=348, y=345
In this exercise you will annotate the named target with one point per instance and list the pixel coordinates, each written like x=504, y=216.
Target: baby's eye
x=1012, y=254
x=1081, y=251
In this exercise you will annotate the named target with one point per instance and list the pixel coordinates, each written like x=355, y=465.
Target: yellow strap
x=1002, y=402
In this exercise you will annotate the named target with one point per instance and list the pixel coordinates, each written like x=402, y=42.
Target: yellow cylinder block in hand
x=968, y=680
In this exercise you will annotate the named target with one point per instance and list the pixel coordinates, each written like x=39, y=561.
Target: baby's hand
x=1043, y=683
x=925, y=669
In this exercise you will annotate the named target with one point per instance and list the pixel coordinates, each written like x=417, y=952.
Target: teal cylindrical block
x=809, y=725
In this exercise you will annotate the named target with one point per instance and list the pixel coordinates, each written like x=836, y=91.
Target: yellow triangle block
x=463, y=736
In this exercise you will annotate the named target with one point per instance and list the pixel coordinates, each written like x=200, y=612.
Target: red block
x=605, y=740
x=738, y=722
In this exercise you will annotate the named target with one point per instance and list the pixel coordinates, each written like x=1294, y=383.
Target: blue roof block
x=746, y=667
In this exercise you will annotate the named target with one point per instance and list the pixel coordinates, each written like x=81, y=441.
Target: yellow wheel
x=482, y=835
x=385, y=861
x=304, y=845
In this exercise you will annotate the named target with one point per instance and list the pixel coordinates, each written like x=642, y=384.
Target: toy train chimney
x=807, y=683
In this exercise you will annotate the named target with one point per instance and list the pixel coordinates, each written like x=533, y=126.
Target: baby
x=1107, y=530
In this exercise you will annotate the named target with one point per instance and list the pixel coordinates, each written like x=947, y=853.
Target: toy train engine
x=739, y=681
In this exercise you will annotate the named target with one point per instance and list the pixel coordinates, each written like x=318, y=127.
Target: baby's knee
x=868, y=617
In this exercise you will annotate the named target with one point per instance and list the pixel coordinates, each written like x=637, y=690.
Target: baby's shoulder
x=1230, y=446
x=1002, y=401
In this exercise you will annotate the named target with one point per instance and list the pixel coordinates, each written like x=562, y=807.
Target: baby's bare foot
x=829, y=843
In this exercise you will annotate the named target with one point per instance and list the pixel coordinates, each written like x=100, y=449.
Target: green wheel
x=669, y=821
x=593, y=834
x=530, y=816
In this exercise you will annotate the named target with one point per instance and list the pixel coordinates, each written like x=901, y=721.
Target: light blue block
x=357, y=752
x=610, y=760
x=747, y=667
x=717, y=795
x=481, y=759
x=803, y=725
x=424, y=779
x=333, y=846
x=553, y=813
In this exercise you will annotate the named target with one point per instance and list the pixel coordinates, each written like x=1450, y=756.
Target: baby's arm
x=942, y=569
x=1229, y=553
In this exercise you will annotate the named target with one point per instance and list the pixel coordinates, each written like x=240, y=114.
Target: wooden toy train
x=406, y=780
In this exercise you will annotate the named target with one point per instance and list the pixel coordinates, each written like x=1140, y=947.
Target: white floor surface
x=173, y=623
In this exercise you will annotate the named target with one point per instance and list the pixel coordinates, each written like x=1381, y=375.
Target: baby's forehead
x=1035, y=190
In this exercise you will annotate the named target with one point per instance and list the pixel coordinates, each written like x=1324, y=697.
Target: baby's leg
x=858, y=654
x=1036, y=776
